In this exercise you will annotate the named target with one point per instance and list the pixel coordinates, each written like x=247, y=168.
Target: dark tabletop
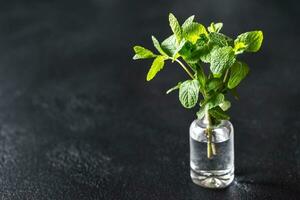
x=79, y=121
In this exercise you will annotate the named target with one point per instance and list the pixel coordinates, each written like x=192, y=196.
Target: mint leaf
x=215, y=27
x=176, y=87
x=214, y=84
x=200, y=75
x=157, y=46
x=176, y=28
x=199, y=49
x=196, y=54
x=239, y=47
x=252, y=40
x=206, y=55
x=170, y=46
x=225, y=105
x=192, y=31
x=221, y=59
x=219, y=39
x=156, y=66
x=219, y=114
x=215, y=101
x=188, y=21
x=237, y=73
x=142, y=53
x=188, y=93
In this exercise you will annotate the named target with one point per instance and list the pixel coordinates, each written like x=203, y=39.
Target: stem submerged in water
x=211, y=148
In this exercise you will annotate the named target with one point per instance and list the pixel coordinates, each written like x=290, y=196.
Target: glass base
x=213, y=179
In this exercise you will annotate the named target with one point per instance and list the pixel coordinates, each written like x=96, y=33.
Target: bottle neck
x=209, y=121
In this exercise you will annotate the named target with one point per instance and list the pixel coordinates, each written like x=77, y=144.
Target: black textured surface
x=79, y=121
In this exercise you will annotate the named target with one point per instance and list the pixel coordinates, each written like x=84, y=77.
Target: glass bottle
x=211, y=158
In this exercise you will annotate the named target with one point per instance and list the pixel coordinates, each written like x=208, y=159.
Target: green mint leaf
x=239, y=47
x=170, y=46
x=178, y=48
x=225, y=105
x=156, y=66
x=215, y=101
x=206, y=54
x=200, y=75
x=157, y=46
x=237, y=73
x=252, y=40
x=176, y=28
x=221, y=59
x=219, y=39
x=196, y=54
x=218, y=26
x=188, y=93
x=211, y=28
x=214, y=84
x=142, y=53
x=188, y=21
x=218, y=114
x=192, y=31
x=215, y=27
x=197, y=50
x=185, y=51
x=176, y=87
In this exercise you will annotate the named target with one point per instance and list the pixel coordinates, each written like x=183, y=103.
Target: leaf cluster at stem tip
x=195, y=47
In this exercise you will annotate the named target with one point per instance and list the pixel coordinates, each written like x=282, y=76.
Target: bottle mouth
x=214, y=123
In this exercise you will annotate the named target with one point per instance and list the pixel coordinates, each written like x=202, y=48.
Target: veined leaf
x=176, y=28
x=199, y=49
x=156, y=66
x=157, y=46
x=225, y=105
x=199, y=73
x=237, y=73
x=215, y=27
x=192, y=31
x=188, y=93
x=215, y=101
x=252, y=40
x=239, y=47
x=213, y=84
x=206, y=56
x=188, y=21
x=219, y=114
x=170, y=46
x=221, y=59
x=142, y=53
x=218, y=39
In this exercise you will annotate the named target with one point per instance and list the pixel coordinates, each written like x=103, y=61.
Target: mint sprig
x=195, y=48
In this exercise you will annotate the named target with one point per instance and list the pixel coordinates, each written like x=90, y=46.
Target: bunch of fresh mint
x=197, y=47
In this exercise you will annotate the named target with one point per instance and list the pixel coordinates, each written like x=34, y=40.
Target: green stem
x=185, y=68
x=211, y=149
x=226, y=74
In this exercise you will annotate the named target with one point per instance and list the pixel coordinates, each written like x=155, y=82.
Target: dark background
x=79, y=121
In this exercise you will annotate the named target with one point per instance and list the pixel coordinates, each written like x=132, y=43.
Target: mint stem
x=226, y=74
x=211, y=149
x=185, y=68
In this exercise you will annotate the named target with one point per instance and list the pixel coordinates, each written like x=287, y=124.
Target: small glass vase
x=212, y=160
